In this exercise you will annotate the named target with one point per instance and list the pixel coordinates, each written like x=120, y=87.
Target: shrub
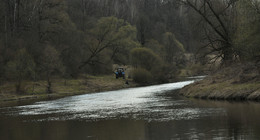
x=142, y=76
x=145, y=58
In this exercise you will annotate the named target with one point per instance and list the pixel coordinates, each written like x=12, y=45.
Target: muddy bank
x=235, y=82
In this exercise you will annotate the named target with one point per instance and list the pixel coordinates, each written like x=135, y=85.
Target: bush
x=145, y=58
x=142, y=76
x=164, y=73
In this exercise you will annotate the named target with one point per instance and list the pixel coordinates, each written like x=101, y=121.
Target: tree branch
x=207, y=20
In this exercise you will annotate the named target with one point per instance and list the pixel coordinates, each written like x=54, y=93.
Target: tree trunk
x=18, y=16
x=227, y=55
x=83, y=14
x=6, y=37
x=14, y=16
x=49, y=90
x=18, y=86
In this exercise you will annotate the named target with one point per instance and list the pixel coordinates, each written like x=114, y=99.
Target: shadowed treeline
x=50, y=39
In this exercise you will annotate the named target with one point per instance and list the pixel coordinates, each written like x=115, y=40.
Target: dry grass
x=63, y=87
x=239, y=82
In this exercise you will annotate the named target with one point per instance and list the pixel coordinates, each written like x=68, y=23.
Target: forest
x=41, y=40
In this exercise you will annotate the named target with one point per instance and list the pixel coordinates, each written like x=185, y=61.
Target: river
x=144, y=113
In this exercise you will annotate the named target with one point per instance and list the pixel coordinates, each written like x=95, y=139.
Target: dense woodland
x=42, y=39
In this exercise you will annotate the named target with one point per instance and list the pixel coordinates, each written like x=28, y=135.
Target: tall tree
x=218, y=17
x=50, y=65
x=173, y=47
x=247, y=37
x=109, y=33
x=22, y=67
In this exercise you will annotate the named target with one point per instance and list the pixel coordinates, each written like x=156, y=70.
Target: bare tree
x=218, y=17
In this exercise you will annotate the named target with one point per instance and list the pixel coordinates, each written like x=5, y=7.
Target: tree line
x=40, y=39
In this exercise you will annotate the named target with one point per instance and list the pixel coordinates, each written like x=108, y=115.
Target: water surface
x=145, y=113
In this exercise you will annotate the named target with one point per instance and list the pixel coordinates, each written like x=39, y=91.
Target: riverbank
x=36, y=91
x=236, y=82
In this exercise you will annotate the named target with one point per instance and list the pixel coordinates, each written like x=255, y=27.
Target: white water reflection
x=136, y=103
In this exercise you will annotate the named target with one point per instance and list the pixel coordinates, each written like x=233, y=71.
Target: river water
x=145, y=113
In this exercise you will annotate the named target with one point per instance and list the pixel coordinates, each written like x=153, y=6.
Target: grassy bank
x=36, y=91
x=236, y=82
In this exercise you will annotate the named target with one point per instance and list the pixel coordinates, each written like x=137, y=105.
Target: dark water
x=148, y=113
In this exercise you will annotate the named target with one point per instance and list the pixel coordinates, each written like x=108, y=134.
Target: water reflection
x=125, y=129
